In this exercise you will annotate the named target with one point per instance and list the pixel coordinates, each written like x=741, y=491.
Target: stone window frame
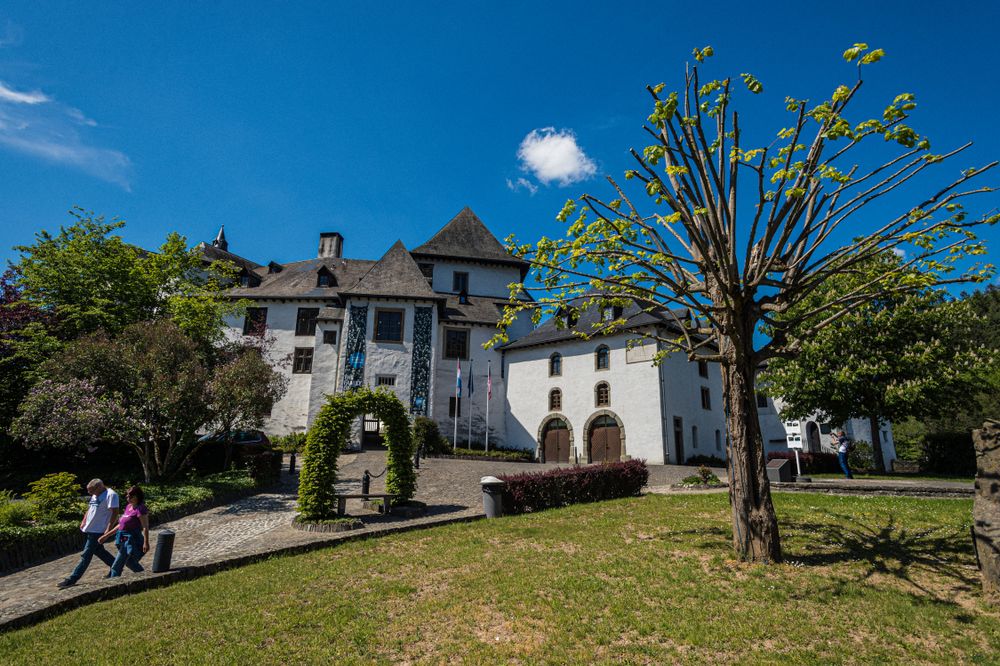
x=330, y=337
x=703, y=368
x=597, y=394
x=597, y=358
x=706, y=398
x=555, y=359
x=555, y=400
x=402, y=325
x=249, y=324
x=385, y=380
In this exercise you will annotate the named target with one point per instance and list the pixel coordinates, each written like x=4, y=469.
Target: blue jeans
x=844, y=466
x=90, y=548
x=129, y=552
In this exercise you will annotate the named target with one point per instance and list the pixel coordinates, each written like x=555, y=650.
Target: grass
x=640, y=580
x=895, y=477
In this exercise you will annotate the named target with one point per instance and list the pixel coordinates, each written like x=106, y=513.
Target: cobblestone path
x=262, y=523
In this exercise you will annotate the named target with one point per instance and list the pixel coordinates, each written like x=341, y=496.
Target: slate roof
x=298, y=279
x=478, y=310
x=466, y=237
x=635, y=317
x=212, y=253
x=396, y=274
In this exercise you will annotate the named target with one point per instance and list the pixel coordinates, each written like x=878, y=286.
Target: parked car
x=246, y=444
x=254, y=438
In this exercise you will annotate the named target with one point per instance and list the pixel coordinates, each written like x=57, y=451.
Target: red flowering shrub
x=528, y=492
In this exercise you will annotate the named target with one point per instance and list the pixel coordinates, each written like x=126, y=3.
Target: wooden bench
x=386, y=499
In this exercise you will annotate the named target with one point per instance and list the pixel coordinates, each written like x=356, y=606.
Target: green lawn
x=644, y=580
x=896, y=477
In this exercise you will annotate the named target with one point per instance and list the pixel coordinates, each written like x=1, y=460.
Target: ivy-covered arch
x=329, y=433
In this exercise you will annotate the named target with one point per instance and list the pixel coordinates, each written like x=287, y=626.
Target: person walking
x=131, y=533
x=102, y=512
x=844, y=447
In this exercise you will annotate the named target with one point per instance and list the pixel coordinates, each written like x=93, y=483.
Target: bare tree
x=722, y=281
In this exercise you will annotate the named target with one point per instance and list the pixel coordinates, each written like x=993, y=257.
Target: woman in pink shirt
x=131, y=534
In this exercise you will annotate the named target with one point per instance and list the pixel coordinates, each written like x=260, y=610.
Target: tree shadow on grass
x=888, y=548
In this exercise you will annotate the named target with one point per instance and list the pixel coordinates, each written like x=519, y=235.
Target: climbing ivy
x=329, y=433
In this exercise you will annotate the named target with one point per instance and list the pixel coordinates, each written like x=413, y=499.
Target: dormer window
x=274, y=267
x=324, y=278
x=248, y=279
x=460, y=283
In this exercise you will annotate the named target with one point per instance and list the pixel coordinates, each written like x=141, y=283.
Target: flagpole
x=489, y=394
x=471, y=387
x=458, y=380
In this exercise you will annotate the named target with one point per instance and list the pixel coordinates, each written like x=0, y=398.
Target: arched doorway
x=556, y=441
x=604, y=440
x=812, y=438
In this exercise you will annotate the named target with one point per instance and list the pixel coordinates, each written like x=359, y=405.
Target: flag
x=472, y=376
x=458, y=378
x=489, y=381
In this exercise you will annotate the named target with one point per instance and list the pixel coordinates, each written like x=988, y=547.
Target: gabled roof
x=396, y=274
x=466, y=237
x=298, y=279
x=636, y=317
x=213, y=253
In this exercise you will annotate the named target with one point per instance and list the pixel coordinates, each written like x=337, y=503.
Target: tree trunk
x=877, y=444
x=755, y=526
x=986, y=507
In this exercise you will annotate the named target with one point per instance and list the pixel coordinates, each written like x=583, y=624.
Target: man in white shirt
x=102, y=512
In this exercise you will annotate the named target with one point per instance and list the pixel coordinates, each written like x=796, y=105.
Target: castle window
x=388, y=325
x=602, y=358
x=460, y=282
x=255, y=321
x=703, y=368
x=385, y=380
x=718, y=440
x=602, y=395
x=305, y=322
x=762, y=400
x=454, y=407
x=694, y=436
x=427, y=270
x=456, y=343
x=329, y=337
x=555, y=400
x=555, y=365
x=324, y=278
x=302, y=361
x=706, y=398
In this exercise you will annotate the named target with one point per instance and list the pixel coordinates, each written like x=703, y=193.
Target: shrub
x=704, y=477
x=507, y=455
x=573, y=485
x=264, y=467
x=427, y=437
x=12, y=512
x=711, y=461
x=291, y=443
x=949, y=453
x=862, y=457
x=812, y=463
x=54, y=497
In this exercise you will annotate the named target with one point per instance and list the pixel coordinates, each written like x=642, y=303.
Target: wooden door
x=557, y=445
x=605, y=444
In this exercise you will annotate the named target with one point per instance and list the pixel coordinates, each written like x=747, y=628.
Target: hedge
x=502, y=455
x=24, y=546
x=528, y=492
x=329, y=432
x=812, y=463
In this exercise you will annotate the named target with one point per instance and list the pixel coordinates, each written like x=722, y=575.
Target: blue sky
x=382, y=120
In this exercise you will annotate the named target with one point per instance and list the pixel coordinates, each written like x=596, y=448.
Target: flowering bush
x=71, y=415
x=573, y=485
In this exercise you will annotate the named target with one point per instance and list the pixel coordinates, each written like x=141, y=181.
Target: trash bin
x=164, y=551
x=492, y=496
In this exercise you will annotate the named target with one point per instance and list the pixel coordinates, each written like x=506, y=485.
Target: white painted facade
x=645, y=399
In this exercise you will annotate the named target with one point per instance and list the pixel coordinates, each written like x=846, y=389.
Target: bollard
x=291, y=464
x=366, y=482
x=492, y=496
x=164, y=551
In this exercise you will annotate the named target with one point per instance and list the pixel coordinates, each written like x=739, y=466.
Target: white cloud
x=10, y=95
x=35, y=124
x=521, y=184
x=551, y=155
x=899, y=252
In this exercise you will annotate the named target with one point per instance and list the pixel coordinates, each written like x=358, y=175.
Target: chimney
x=331, y=245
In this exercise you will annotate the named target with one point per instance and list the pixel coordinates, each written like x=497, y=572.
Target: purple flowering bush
x=529, y=492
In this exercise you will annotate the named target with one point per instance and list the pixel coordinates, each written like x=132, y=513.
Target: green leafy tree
x=906, y=354
x=149, y=388
x=735, y=234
